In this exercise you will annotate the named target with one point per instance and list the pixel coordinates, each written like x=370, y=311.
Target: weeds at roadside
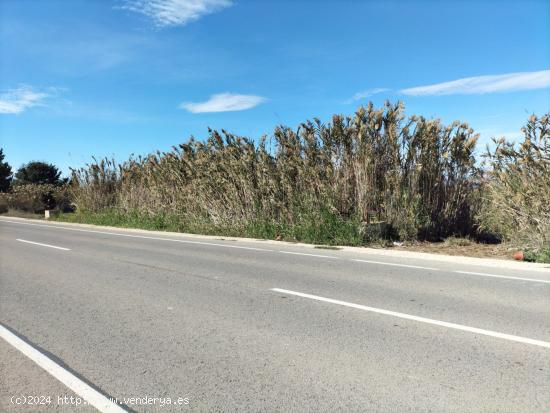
x=375, y=177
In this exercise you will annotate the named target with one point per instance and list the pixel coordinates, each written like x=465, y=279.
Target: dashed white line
x=396, y=265
x=309, y=255
x=43, y=245
x=169, y=239
x=258, y=249
x=476, y=330
x=503, y=276
x=140, y=236
x=88, y=393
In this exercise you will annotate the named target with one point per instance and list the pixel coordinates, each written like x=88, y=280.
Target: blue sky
x=114, y=77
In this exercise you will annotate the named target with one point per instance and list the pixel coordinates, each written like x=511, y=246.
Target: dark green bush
x=542, y=255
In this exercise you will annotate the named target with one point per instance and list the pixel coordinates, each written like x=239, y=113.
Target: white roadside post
x=47, y=214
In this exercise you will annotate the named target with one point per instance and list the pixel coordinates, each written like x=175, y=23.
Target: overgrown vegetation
x=376, y=174
x=34, y=198
x=540, y=255
x=37, y=186
x=516, y=191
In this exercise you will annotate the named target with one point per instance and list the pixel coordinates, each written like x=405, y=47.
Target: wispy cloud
x=498, y=133
x=175, y=12
x=15, y=101
x=224, y=102
x=485, y=84
x=366, y=94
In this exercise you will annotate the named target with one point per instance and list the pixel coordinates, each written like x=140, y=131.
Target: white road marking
x=43, y=245
x=92, y=396
x=139, y=236
x=397, y=265
x=309, y=255
x=420, y=319
x=166, y=239
x=503, y=276
x=256, y=249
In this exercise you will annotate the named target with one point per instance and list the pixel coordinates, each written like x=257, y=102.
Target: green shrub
x=542, y=255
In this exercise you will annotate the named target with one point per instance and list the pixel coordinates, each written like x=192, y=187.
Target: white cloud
x=17, y=100
x=366, y=94
x=224, y=102
x=175, y=12
x=485, y=84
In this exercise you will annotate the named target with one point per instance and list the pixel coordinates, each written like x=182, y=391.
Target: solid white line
x=397, y=265
x=92, y=396
x=420, y=319
x=43, y=245
x=309, y=255
x=503, y=276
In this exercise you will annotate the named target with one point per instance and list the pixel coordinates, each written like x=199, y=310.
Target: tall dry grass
x=516, y=193
x=375, y=174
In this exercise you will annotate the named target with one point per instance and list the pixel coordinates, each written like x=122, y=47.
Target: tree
x=5, y=173
x=36, y=172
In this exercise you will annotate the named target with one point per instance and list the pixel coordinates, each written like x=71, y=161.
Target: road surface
x=166, y=323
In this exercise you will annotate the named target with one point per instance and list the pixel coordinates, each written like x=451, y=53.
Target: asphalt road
x=198, y=320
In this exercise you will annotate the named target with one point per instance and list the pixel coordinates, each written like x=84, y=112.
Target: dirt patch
x=498, y=251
